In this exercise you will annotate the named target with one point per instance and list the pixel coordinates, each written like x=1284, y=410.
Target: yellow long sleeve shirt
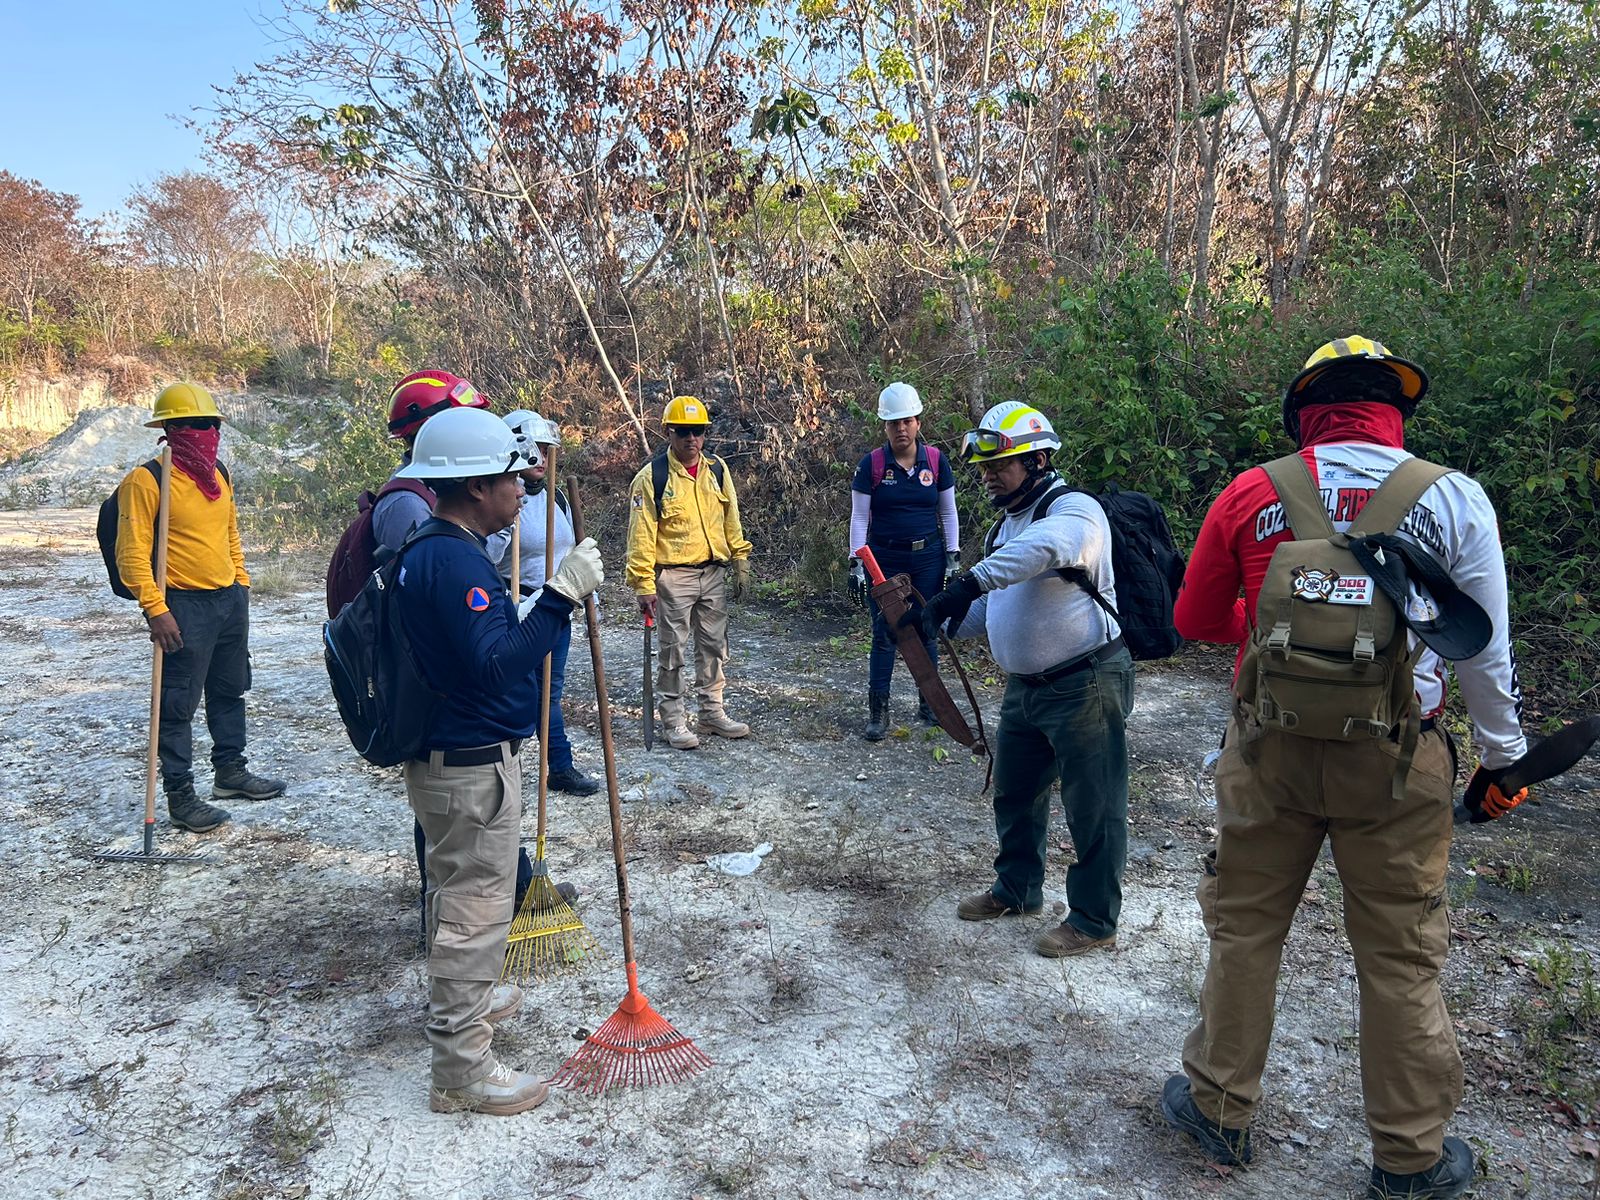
x=203, y=550
x=699, y=522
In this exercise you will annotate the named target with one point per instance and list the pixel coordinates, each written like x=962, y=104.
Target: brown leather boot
x=714, y=720
x=985, y=906
x=1067, y=941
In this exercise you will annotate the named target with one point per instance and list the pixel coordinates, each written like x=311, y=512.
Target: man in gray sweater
x=1069, y=685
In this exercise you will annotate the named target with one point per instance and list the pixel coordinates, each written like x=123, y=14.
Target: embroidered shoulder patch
x=477, y=599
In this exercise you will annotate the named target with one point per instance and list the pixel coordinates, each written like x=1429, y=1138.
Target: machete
x=649, y=686
x=1556, y=755
x=893, y=598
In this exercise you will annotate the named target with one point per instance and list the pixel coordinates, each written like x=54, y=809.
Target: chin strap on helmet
x=1040, y=478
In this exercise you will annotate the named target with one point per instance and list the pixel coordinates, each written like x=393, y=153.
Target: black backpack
x=384, y=700
x=658, y=475
x=105, y=530
x=1145, y=561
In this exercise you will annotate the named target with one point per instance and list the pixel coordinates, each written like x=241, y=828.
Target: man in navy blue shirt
x=478, y=648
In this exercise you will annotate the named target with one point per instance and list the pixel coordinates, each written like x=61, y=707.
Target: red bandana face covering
x=194, y=452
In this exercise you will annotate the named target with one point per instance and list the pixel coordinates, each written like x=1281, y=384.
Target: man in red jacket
x=1281, y=793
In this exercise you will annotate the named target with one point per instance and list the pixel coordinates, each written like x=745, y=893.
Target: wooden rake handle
x=608, y=749
x=544, y=686
x=152, y=756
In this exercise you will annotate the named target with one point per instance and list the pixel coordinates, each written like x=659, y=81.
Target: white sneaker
x=503, y=1002
x=501, y=1093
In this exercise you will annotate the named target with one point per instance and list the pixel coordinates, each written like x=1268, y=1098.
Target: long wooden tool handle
x=163, y=513
x=544, y=687
x=874, y=572
x=608, y=750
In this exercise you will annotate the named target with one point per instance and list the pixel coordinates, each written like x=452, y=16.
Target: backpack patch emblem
x=1352, y=589
x=1309, y=583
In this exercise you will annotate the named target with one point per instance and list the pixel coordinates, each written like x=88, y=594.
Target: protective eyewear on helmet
x=464, y=394
x=986, y=442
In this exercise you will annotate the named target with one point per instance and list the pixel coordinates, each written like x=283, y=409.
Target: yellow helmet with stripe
x=1007, y=430
x=1351, y=361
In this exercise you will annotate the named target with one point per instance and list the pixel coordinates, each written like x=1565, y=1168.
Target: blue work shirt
x=469, y=645
x=905, y=505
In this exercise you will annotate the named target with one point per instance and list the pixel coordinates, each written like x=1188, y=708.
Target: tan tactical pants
x=1277, y=799
x=471, y=816
x=691, y=601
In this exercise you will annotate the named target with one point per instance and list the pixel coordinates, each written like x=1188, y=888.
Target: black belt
x=1073, y=664
x=903, y=543
x=474, y=756
x=710, y=562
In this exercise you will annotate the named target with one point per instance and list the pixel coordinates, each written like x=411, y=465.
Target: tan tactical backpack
x=1329, y=656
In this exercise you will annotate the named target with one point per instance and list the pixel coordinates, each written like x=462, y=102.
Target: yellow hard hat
x=686, y=410
x=1341, y=354
x=182, y=400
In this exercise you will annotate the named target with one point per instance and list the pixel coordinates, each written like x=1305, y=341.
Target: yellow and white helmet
x=1007, y=430
x=1405, y=383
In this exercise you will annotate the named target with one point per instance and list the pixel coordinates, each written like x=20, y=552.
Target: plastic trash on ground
x=742, y=862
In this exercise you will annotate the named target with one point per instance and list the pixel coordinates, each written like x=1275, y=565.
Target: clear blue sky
x=91, y=87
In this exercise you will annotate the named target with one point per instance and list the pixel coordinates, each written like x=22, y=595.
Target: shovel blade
x=139, y=856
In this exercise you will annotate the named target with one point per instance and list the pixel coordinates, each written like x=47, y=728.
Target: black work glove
x=858, y=582
x=948, y=608
x=1485, y=800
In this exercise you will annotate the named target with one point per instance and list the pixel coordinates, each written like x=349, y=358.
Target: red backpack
x=355, y=557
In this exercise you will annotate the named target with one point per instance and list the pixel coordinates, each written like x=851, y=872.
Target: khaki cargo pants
x=1277, y=799
x=472, y=817
x=691, y=601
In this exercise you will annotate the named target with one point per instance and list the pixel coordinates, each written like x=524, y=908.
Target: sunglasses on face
x=688, y=431
x=196, y=423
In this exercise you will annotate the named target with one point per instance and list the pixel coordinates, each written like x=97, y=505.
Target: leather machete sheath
x=893, y=596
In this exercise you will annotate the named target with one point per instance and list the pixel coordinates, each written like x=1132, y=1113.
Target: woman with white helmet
x=903, y=508
x=539, y=435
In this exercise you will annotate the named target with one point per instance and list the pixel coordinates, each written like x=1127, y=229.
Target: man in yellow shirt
x=687, y=557
x=202, y=622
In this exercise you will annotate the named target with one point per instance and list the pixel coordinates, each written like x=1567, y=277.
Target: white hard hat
x=898, y=400
x=531, y=431
x=1010, y=428
x=461, y=443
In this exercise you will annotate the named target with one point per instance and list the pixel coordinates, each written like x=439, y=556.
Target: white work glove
x=527, y=604
x=580, y=572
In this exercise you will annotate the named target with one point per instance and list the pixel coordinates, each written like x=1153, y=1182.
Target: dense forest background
x=1139, y=217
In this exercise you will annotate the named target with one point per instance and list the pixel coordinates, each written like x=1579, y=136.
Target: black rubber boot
x=878, y=716
x=924, y=713
x=1447, y=1178
x=188, y=811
